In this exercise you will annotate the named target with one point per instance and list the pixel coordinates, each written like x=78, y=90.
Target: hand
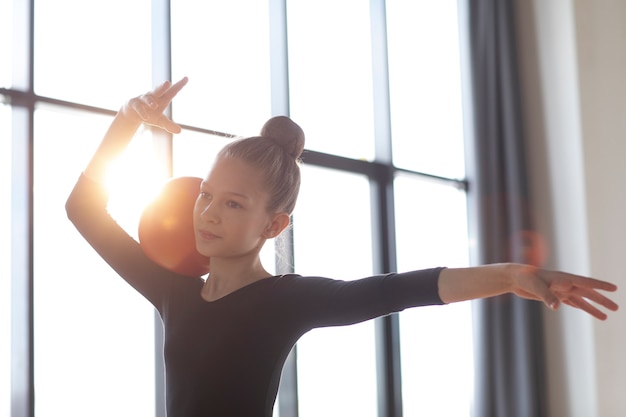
x=149, y=107
x=555, y=287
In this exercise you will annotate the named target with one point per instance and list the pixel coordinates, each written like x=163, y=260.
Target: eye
x=233, y=204
x=204, y=195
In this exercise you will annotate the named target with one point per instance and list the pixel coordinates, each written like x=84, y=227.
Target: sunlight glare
x=133, y=180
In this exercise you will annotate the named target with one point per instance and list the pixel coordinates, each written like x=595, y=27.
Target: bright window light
x=94, y=348
x=6, y=42
x=94, y=334
x=96, y=53
x=223, y=47
x=330, y=75
x=5, y=260
x=436, y=341
x=425, y=86
x=332, y=238
x=132, y=188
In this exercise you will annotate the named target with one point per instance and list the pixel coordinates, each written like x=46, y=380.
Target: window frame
x=380, y=172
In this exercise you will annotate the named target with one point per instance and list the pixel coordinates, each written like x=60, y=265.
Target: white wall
x=601, y=39
x=573, y=61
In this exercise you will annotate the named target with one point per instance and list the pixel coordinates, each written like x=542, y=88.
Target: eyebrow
x=234, y=193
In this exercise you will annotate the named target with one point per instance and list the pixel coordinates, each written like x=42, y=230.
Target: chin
x=201, y=250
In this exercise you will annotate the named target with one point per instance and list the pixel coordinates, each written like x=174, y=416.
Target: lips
x=206, y=235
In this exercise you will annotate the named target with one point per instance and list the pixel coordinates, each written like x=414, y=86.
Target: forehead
x=235, y=175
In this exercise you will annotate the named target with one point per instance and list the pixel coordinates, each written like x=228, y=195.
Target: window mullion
x=22, y=348
x=279, y=74
x=383, y=227
x=162, y=140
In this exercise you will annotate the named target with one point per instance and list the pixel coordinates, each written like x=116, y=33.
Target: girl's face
x=230, y=216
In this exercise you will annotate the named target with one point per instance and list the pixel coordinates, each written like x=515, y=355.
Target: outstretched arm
x=550, y=287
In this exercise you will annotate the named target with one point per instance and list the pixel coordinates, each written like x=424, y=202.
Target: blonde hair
x=276, y=153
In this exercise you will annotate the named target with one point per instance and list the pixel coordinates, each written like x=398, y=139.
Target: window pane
x=5, y=259
x=330, y=75
x=95, y=53
x=223, y=47
x=425, y=86
x=332, y=237
x=193, y=155
x=431, y=231
x=94, y=335
x=6, y=45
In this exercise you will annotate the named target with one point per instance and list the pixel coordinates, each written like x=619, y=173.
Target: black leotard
x=224, y=358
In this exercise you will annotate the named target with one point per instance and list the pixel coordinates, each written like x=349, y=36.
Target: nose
x=209, y=212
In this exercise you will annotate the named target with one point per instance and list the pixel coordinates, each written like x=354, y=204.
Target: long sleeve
x=86, y=208
x=319, y=302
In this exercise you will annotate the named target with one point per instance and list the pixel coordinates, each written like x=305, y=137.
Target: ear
x=279, y=222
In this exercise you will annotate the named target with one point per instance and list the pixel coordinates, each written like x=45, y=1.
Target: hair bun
x=286, y=133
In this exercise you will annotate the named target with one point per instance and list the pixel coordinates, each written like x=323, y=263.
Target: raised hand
x=149, y=107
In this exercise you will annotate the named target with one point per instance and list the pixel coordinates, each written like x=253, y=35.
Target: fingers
x=584, y=305
x=165, y=92
x=170, y=90
x=160, y=89
x=150, y=106
x=596, y=297
x=580, y=292
x=581, y=281
x=169, y=125
x=580, y=298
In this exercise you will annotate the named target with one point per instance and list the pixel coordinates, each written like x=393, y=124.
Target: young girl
x=226, y=337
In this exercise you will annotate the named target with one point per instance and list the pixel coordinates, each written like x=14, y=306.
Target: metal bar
x=279, y=66
x=279, y=76
x=387, y=333
x=22, y=357
x=22, y=349
x=162, y=142
x=371, y=169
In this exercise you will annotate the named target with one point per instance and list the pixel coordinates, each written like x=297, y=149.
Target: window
x=375, y=86
x=99, y=54
x=431, y=219
x=330, y=75
x=222, y=46
x=435, y=342
x=425, y=87
x=6, y=47
x=94, y=333
x=332, y=238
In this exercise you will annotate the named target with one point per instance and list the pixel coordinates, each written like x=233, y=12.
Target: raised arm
x=86, y=205
x=550, y=287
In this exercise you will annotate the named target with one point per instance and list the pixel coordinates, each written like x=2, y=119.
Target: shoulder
x=291, y=281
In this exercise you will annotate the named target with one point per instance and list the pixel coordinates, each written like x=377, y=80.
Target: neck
x=227, y=276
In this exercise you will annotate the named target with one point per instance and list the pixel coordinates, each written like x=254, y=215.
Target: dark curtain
x=509, y=344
